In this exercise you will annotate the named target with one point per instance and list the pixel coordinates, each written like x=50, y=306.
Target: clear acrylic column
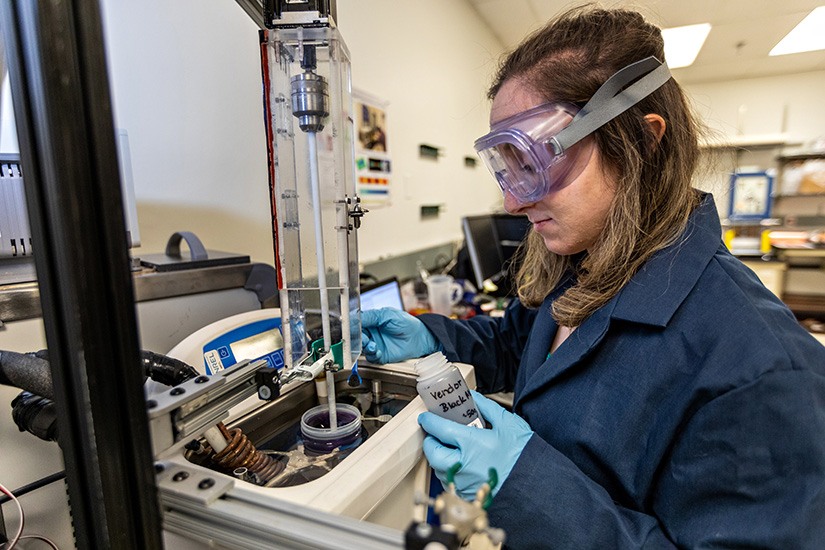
x=308, y=105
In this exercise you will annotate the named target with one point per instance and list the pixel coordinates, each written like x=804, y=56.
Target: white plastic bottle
x=444, y=390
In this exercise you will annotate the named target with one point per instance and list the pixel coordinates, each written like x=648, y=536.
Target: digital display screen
x=383, y=295
x=258, y=345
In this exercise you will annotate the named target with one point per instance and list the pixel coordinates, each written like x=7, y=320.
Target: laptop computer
x=384, y=293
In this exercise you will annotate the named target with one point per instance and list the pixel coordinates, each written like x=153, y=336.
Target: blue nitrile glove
x=389, y=335
x=477, y=450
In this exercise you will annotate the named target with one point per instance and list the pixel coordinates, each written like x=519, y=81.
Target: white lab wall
x=788, y=105
x=185, y=79
x=432, y=61
x=186, y=85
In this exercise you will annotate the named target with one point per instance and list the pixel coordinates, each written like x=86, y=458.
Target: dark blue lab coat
x=689, y=411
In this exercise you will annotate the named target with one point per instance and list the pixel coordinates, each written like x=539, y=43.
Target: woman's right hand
x=389, y=335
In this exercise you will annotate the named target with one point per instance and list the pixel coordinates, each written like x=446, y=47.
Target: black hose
x=33, y=486
x=31, y=371
x=36, y=415
x=35, y=412
x=164, y=369
x=26, y=371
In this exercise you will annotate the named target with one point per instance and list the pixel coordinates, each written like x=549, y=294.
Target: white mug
x=443, y=293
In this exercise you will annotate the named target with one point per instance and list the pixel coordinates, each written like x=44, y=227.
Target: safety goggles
x=541, y=148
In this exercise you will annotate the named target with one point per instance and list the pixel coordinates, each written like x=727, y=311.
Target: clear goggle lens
x=519, y=155
x=515, y=171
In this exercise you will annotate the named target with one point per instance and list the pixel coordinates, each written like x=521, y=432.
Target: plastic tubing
x=322, y=267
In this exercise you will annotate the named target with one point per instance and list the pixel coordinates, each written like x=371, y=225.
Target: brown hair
x=568, y=60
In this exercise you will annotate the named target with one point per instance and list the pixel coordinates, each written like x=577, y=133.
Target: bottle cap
x=430, y=365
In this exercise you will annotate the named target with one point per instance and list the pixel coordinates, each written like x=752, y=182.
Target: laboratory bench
x=797, y=277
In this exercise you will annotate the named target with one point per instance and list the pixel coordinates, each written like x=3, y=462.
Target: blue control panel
x=256, y=340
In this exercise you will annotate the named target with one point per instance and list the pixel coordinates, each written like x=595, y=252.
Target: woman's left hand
x=476, y=449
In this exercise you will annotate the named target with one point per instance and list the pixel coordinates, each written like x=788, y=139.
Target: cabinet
x=797, y=270
x=741, y=154
x=800, y=188
x=800, y=203
x=771, y=273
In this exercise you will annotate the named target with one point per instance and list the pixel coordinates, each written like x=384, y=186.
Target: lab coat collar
x=538, y=369
x=658, y=289
x=651, y=297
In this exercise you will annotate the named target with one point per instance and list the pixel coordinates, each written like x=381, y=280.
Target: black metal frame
x=67, y=140
x=274, y=10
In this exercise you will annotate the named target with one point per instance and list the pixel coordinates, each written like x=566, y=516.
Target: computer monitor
x=491, y=241
x=385, y=293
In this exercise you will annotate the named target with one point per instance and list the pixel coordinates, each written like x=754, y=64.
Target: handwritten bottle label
x=455, y=395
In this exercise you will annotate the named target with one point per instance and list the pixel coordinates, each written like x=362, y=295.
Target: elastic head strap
x=611, y=100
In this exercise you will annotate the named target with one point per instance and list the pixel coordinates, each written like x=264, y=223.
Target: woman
x=664, y=397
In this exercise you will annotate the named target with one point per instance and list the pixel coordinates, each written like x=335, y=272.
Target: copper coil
x=241, y=453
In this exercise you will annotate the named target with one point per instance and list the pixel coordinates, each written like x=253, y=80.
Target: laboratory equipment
x=492, y=241
x=375, y=480
x=16, y=237
x=443, y=293
x=14, y=223
x=444, y=390
x=317, y=435
x=384, y=293
x=466, y=519
x=249, y=335
x=314, y=225
x=168, y=305
x=316, y=214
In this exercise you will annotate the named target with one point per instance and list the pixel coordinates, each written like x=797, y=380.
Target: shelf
x=751, y=222
x=798, y=195
x=753, y=141
x=793, y=252
x=805, y=303
x=800, y=156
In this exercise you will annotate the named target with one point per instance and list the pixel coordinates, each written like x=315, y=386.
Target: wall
x=187, y=87
x=417, y=56
x=758, y=107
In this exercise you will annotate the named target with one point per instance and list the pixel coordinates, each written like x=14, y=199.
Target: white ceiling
x=743, y=32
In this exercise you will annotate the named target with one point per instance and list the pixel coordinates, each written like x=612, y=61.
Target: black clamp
x=423, y=535
x=268, y=380
x=357, y=212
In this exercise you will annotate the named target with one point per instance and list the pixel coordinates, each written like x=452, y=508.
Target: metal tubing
x=67, y=140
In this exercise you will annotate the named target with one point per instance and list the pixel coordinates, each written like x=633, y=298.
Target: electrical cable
x=16, y=538
x=34, y=485
x=44, y=539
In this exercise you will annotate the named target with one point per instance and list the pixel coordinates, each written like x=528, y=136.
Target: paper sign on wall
x=373, y=167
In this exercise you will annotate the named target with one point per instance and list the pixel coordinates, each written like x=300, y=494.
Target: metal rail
x=67, y=139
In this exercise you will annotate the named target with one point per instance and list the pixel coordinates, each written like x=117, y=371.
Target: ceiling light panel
x=682, y=44
x=807, y=36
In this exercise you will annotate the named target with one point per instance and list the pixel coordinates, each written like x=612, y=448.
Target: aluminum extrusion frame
x=67, y=139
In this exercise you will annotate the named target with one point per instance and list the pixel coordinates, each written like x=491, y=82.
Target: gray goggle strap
x=610, y=100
